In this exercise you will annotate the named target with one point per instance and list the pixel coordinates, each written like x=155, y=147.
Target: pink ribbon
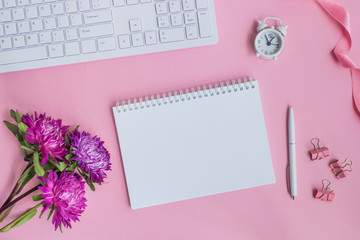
x=343, y=47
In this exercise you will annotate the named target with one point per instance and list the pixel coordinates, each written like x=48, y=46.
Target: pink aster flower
x=91, y=155
x=48, y=134
x=66, y=194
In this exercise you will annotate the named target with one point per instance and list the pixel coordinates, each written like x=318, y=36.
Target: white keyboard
x=43, y=33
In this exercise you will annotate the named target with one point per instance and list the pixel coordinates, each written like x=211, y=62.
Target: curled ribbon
x=343, y=47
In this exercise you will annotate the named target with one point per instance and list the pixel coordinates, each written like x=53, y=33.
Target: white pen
x=292, y=153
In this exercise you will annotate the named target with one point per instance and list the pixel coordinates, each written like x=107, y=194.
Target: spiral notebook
x=193, y=143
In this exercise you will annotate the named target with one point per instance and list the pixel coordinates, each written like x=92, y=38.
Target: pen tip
x=290, y=106
x=293, y=197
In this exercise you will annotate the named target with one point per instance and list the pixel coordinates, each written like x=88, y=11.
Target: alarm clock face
x=269, y=43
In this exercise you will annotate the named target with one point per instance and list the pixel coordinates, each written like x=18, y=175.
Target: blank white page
x=195, y=147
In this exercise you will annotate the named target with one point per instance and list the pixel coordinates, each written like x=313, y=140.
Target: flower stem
x=16, y=187
x=6, y=206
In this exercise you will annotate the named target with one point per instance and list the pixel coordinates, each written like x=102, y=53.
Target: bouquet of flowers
x=62, y=161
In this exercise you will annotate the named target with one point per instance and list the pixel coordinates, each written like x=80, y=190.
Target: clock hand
x=267, y=40
x=271, y=39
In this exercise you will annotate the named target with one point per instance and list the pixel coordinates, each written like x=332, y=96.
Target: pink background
x=306, y=75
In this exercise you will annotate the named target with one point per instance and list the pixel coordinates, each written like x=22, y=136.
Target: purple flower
x=91, y=155
x=66, y=194
x=49, y=134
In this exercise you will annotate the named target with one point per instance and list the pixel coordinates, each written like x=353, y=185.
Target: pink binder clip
x=318, y=152
x=326, y=193
x=341, y=169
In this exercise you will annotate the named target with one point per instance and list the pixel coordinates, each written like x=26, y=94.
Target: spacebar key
x=23, y=55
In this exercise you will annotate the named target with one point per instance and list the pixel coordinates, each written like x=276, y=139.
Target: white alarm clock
x=269, y=42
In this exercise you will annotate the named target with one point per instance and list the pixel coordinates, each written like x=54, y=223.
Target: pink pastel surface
x=306, y=75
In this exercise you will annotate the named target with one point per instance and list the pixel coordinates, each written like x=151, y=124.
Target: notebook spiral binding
x=186, y=94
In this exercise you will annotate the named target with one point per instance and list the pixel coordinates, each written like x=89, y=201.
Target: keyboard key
x=1, y=31
x=36, y=1
x=36, y=25
x=70, y=7
x=72, y=49
x=56, y=50
x=57, y=8
x=71, y=34
x=172, y=35
x=137, y=39
x=10, y=28
x=106, y=44
x=32, y=39
x=23, y=27
x=150, y=38
x=163, y=21
x=124, y=41
x=96, y=31
x=135, y=25
x=174, y=6
x=97, y=17
x=192, y=32
x=201, y=4
x=76, y=20
x=188, y=5
x=50, y=23
x=119, y=3
x=161, y=7
x=1, y=4
x=31, y=12
x=23, y=55
x=100, y=4
x=190, y=17
x=88, y=46
x=5, y=43
x=22, y=3
x=63, y=21
x=132, y=2
x=84, y=5
x=45, y=37
x=19, y=41
x=204, y=24
x=9, y=3
x=18, y=14
x=176, y=19
x=58, y=36
x=5, y=16
x=44, y=10
x=145, y=1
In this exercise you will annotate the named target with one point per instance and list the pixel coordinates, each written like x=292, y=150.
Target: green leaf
x=18, y=117
x=51, y=211
x=21, y=220
x=26, y=148
x=77, y=127
x=6, y=213
x=72, y=167
x=22, y=127
x=12, y=127
x=27, y=178
x=26, y=173
x=13, y=114
x=91, y=185
x=60, y=228
x=51, y=160
x=68, y=157
x=37, y=197
x=38, y=169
